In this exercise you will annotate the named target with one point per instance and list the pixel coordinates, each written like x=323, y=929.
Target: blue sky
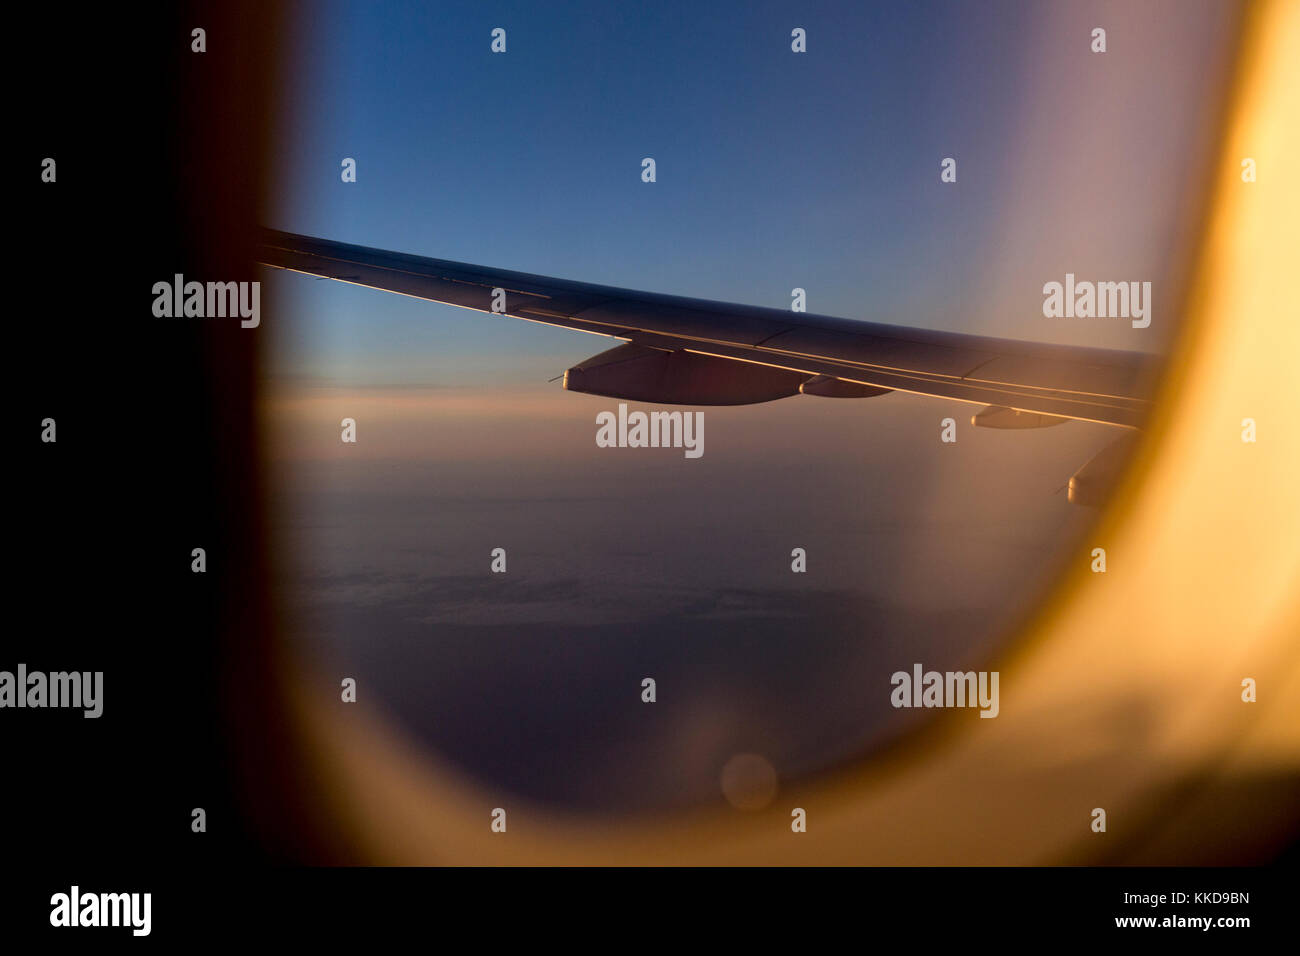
x=775, y=170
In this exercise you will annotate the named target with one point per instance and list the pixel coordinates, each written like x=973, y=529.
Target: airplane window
x=499, y=581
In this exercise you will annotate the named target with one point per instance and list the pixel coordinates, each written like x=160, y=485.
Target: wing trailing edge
x=802, y=351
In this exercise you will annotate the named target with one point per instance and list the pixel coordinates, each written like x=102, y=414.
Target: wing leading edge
x=1061, y=382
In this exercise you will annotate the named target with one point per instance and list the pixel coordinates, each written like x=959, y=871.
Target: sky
x=775, y=170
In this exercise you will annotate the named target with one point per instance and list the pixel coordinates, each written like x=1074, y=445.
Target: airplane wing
x=697, y=352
